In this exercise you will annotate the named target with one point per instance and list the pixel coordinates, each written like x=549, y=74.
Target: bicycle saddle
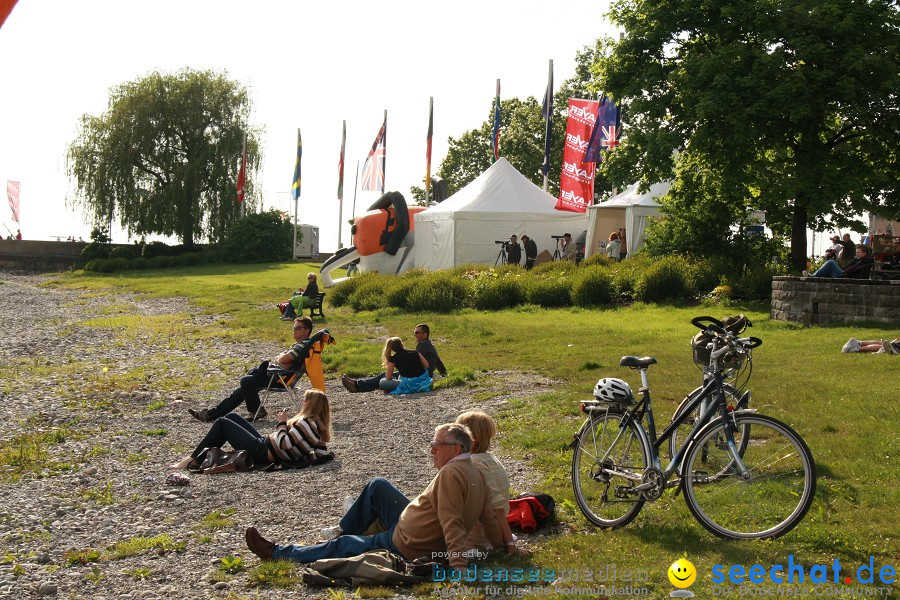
x=635, y=362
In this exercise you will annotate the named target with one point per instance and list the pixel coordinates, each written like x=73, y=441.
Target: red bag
x=527, y=511
x=282, y=306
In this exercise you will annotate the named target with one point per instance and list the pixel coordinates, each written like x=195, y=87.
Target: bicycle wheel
x=770, y=501
x=676, y=441
x=605, y=492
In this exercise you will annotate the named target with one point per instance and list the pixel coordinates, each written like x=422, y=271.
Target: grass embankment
x=844, y=406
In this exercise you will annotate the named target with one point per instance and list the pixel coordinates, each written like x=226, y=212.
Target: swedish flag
x=295, y=187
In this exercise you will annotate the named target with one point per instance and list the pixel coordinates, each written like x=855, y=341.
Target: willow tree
x=790, y=106
x=164, y=158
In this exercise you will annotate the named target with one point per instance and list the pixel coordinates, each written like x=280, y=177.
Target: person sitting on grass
x=423, y=347
x=858, y=268
x=410, y=364
x=876, y=346
x=258, y=378
x=300, y=438
x=434, y=525
x=496, y=478
x=301, y=299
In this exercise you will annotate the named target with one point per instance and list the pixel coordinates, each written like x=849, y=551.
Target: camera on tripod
x=557, y=237
x=500, y=242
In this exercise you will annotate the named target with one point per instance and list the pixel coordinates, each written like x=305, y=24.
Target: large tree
x=164, y=158
x=790, y=106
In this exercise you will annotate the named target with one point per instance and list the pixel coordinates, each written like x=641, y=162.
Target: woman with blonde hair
x=495, y=476
x=302, y=298
x=411, y=365
x=300, y=438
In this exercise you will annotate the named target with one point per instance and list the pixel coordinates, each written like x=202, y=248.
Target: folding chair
x=285, y=382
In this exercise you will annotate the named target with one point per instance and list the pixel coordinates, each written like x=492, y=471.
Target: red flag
x=242, y=175
x=12, y=192
x=6, y=7
x=576, y=182
x=428, y=146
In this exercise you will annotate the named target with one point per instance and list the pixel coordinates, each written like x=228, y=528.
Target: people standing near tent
x=612, y=246
x=623, y=249
x=568, y=247
x=513, y=251
x=530, y=251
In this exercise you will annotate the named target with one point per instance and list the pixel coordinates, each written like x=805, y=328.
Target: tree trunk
x=798, y=235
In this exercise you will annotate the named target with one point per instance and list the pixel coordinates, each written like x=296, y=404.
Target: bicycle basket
x=733, y=325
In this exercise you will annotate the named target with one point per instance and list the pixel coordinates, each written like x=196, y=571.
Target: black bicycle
x=744, y=475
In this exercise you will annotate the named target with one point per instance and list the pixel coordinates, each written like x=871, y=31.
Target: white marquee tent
x=498, y=203
x=629, y=209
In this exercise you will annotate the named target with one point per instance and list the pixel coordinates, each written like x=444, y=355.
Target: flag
x=548, y=115
x=576, y=178
x=242, y=174
x=341, y=163
x=6, y=7
x=12, y=192
x=295, y=186
x=373, y=169
x=495, y=139
x=607, y=130
x=428, y=146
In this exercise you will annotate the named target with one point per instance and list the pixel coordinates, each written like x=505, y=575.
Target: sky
x=307, y=64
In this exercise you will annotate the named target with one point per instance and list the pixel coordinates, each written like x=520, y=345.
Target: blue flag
x=607, y=131
x=295, y=186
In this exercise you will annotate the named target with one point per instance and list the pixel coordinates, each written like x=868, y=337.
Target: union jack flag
x=607, y=131
x=373, y=170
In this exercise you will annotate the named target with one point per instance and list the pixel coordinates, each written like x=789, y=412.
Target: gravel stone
x=55, y=345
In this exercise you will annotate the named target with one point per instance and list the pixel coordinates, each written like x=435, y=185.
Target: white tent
x=498, y=203
x=629, y=209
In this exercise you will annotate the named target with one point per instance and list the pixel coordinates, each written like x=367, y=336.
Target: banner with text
x=576, y=182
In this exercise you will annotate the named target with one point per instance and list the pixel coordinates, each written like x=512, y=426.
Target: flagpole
x=243, y=165
x=548, y=103
x=428, y=148
x=355, y=187
x=384, y=157
x=295, y=185
x=341, y=186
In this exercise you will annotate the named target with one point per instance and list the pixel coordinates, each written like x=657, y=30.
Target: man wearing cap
x=513, y=251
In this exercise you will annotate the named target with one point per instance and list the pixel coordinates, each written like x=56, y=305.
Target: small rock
x=43, y=558
x=221, y=585
x=230, y=498
x=89, y=471
x=47, y=588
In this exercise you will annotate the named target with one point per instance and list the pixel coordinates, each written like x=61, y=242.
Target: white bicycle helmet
x=610, y=389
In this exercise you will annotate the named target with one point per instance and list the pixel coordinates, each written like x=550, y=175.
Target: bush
x=755, y=285
x=260, y=237
x=598, y=259
x=126, y=252
x=554, y=268
x=160, y=262
x=369, y=294
x=668, y=278
x=339, y=295
x=593, y=286
x=498, y=293
x=438, y=292
x=154, y=249
x=398, y=288
x=550, y=292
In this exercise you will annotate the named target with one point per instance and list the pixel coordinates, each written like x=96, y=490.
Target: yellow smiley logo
x=682, y=573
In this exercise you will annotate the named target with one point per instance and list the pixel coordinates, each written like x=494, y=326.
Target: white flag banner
x=12, y=192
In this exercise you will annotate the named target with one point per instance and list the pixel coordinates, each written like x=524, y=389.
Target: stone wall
x=819, y=300
x=38, y=255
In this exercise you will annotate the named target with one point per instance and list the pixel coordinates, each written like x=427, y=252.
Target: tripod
x=556, y=253
x=501, y=258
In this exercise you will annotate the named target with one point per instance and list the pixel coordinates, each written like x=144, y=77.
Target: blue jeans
x=829, y=269
x=378, y=500
x=370, y=384
x=238, y=432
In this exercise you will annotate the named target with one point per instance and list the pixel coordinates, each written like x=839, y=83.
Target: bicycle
x=758, y=488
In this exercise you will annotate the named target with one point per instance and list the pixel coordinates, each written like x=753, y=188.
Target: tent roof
x=631, y=197
x=500, y=189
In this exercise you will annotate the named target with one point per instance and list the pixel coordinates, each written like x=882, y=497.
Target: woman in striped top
x=301, y=438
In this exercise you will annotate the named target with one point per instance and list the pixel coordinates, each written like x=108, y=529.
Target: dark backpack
x=529, y=510
x=378, y=567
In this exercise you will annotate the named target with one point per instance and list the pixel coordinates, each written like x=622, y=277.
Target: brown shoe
x=261, y=414
x=350, y=384
x=200, y=415
x=259, y=545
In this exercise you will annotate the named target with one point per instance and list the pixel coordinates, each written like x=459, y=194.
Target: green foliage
x=666, y=279
x=217, y=519
x=339, y=295
x=138, y=574
x=140, y=545
x=685, y=72
x=275, y=573
x=26, y=453
x=232, y=564
x=550, y=292
x=164, y=157
x=82, y=557
x=260, y=237
x=496, y=292
x=593, y=286
x=438, y=292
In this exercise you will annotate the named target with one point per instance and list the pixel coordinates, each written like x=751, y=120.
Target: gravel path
x=107, y=437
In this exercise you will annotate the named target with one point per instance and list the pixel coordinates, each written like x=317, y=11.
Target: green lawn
x=844, y=405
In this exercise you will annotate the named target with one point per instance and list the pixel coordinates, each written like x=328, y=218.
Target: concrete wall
x=819, y=300
x=37, y=255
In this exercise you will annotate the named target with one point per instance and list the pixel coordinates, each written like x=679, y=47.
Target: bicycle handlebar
x=700, y=322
